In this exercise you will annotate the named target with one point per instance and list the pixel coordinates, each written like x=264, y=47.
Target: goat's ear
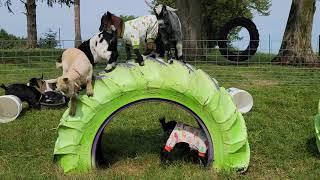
x=171, y=9
x=109, y=14
x=41, y=76
x=65, y=79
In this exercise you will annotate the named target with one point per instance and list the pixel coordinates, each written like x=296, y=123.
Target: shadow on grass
x=123, y=144
x=312, y=148
x=119, y=144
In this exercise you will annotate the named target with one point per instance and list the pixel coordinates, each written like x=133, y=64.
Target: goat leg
x=73, y=105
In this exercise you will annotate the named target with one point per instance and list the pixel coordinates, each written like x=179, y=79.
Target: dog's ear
x=34, y=82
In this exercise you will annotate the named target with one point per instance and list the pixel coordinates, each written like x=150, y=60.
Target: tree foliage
x=127, y=18
x=48, y=40
x=9, y=41
x=217, y=12
x=50, y=3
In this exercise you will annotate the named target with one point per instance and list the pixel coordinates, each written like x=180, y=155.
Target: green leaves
x=61, y=2
x=218, y=12
x=50, y=3
x=127, y=18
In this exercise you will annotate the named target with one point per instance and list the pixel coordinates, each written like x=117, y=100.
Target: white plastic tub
x=242, y=99
x=10, y=108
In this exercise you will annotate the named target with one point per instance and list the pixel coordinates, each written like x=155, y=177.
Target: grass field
x=280, y=128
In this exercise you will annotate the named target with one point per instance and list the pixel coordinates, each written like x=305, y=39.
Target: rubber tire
x=130, y=83
x=251, y=49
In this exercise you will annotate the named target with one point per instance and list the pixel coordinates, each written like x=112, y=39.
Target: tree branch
x=8, y=4
x=22, y=2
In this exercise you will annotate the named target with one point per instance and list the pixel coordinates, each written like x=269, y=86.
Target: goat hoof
x=170, y=61
x=72, y=113
x=141, y=63
x=90, y=94
x=109, y=68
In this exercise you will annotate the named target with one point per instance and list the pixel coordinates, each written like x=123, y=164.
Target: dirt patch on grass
x=266, y=82
x=258, y=79
x=130, y=168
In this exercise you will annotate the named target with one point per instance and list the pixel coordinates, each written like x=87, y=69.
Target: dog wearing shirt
x=182, y=133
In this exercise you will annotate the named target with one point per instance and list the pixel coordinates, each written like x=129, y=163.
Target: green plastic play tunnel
x=190, y=88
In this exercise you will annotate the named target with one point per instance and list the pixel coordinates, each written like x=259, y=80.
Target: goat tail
x=3, y=86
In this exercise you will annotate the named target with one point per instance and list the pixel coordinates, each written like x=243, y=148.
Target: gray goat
x=169, y=30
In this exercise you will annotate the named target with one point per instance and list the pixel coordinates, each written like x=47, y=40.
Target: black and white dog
x=170, y=31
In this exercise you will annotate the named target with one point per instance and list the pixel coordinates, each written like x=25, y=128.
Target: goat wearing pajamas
x=134, y=32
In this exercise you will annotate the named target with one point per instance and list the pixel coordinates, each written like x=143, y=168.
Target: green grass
x=280, y=129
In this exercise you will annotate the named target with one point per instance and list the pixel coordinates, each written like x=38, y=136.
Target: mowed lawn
x=280, y=129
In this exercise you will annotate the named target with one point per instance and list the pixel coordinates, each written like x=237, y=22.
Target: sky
x=91, y=10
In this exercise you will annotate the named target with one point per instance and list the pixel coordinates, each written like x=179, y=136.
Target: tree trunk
x=189, y=12
x=77, y=28
x=31, y=8
x=296, y=48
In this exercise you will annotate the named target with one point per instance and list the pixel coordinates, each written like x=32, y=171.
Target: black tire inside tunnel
x=234, y=55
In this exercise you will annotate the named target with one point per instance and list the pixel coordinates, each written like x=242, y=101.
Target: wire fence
x=21, y=64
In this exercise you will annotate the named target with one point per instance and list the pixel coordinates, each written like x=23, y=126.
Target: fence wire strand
x=23, y=64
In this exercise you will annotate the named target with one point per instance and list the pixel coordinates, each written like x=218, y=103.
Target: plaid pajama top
x=138, y=30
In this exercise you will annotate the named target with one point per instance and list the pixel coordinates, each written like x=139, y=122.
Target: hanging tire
x=234, y=55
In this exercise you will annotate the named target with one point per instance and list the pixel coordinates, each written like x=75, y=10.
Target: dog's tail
x=3, y=86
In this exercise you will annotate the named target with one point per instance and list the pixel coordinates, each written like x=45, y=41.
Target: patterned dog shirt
x=195, y=137
x=140, y=29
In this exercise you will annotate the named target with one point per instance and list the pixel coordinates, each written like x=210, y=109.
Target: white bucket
x=242, y=99
x=10, y=108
